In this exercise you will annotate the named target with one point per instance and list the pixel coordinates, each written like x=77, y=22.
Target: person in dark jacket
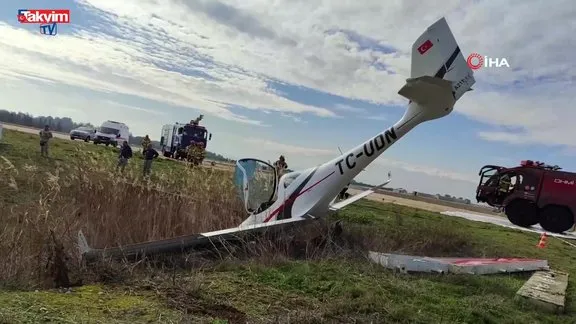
x=125, y=154
x=149, y=155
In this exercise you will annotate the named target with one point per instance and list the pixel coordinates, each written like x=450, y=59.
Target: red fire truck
x=531, y=193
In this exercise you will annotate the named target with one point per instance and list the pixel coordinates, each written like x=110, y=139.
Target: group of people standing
x=196, y=154
x=148, y=152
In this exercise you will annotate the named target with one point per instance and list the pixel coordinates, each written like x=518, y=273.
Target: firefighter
x=190, y=151
x=201, y=153
x=196, y=153
x=145, y=142
x=505, y=183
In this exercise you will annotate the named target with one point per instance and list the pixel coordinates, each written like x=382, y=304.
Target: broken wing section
x=343, y=203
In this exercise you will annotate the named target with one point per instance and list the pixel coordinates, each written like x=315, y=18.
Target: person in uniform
x=145, y=142
x=196, y=153
x=190, y=152
x=280, y=166
x=200, y=153
x=45, y=136
x=505, y=182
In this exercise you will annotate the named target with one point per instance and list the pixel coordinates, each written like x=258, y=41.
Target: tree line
x=57, y=124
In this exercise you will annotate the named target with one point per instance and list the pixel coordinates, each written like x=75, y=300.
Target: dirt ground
x=410, y=202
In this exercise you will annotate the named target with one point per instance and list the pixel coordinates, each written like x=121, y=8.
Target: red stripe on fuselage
x=281, y=207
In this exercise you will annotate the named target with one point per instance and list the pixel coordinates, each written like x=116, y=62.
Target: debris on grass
x=546, y=290
x=478, y=266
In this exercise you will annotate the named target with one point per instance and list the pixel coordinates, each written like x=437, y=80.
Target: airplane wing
x=341, y=204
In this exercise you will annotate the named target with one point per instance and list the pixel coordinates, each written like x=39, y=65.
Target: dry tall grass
x=112, y=209
x=41, y=212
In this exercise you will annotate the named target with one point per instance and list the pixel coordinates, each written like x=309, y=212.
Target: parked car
x=83, y=133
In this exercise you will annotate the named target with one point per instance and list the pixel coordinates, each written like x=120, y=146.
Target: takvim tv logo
x=476, y=61
x=48, y=19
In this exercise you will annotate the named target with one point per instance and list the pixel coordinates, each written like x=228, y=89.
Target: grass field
x=44, y=202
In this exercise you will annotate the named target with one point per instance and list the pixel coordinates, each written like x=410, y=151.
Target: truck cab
x=499, y=185
x=176, y=137
x=531, y=193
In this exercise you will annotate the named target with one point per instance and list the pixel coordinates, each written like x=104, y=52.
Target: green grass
x=23, y=148
x=342, y=288
x=83, y=305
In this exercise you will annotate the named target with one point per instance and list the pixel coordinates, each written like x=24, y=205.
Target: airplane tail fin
x=437, y=54
x=439, y=77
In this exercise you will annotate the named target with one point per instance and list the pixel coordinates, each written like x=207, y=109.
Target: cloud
x=281, y=148
x=380, y=117
x=100, y=62
x=347, y=108
x=120, y=105
x=212, y=54
x=427, y=170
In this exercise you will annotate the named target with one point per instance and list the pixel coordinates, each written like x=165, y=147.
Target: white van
x=111, y=132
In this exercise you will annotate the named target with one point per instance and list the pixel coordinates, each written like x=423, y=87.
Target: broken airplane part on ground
x=439, y=77
x=478, y=266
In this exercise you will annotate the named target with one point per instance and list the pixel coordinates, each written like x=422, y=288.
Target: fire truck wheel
x=556, y=219
x=522, y=212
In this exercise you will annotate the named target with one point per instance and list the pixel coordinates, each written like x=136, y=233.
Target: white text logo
x=476, y=61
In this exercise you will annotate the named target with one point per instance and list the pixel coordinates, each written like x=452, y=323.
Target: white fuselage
x=312, y=190
x=439, y=77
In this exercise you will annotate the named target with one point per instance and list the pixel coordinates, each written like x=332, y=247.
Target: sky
x=302, y=78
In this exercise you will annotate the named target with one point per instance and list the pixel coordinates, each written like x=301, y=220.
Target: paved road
x=410, y=202
x=462, y=213
x=501, y=221
x=32, y=130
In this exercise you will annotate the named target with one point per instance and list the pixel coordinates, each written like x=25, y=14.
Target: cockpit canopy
x=255, y=183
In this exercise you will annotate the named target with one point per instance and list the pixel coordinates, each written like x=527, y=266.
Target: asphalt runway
x=501, y=221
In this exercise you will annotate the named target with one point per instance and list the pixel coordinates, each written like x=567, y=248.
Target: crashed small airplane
x=439, y=77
